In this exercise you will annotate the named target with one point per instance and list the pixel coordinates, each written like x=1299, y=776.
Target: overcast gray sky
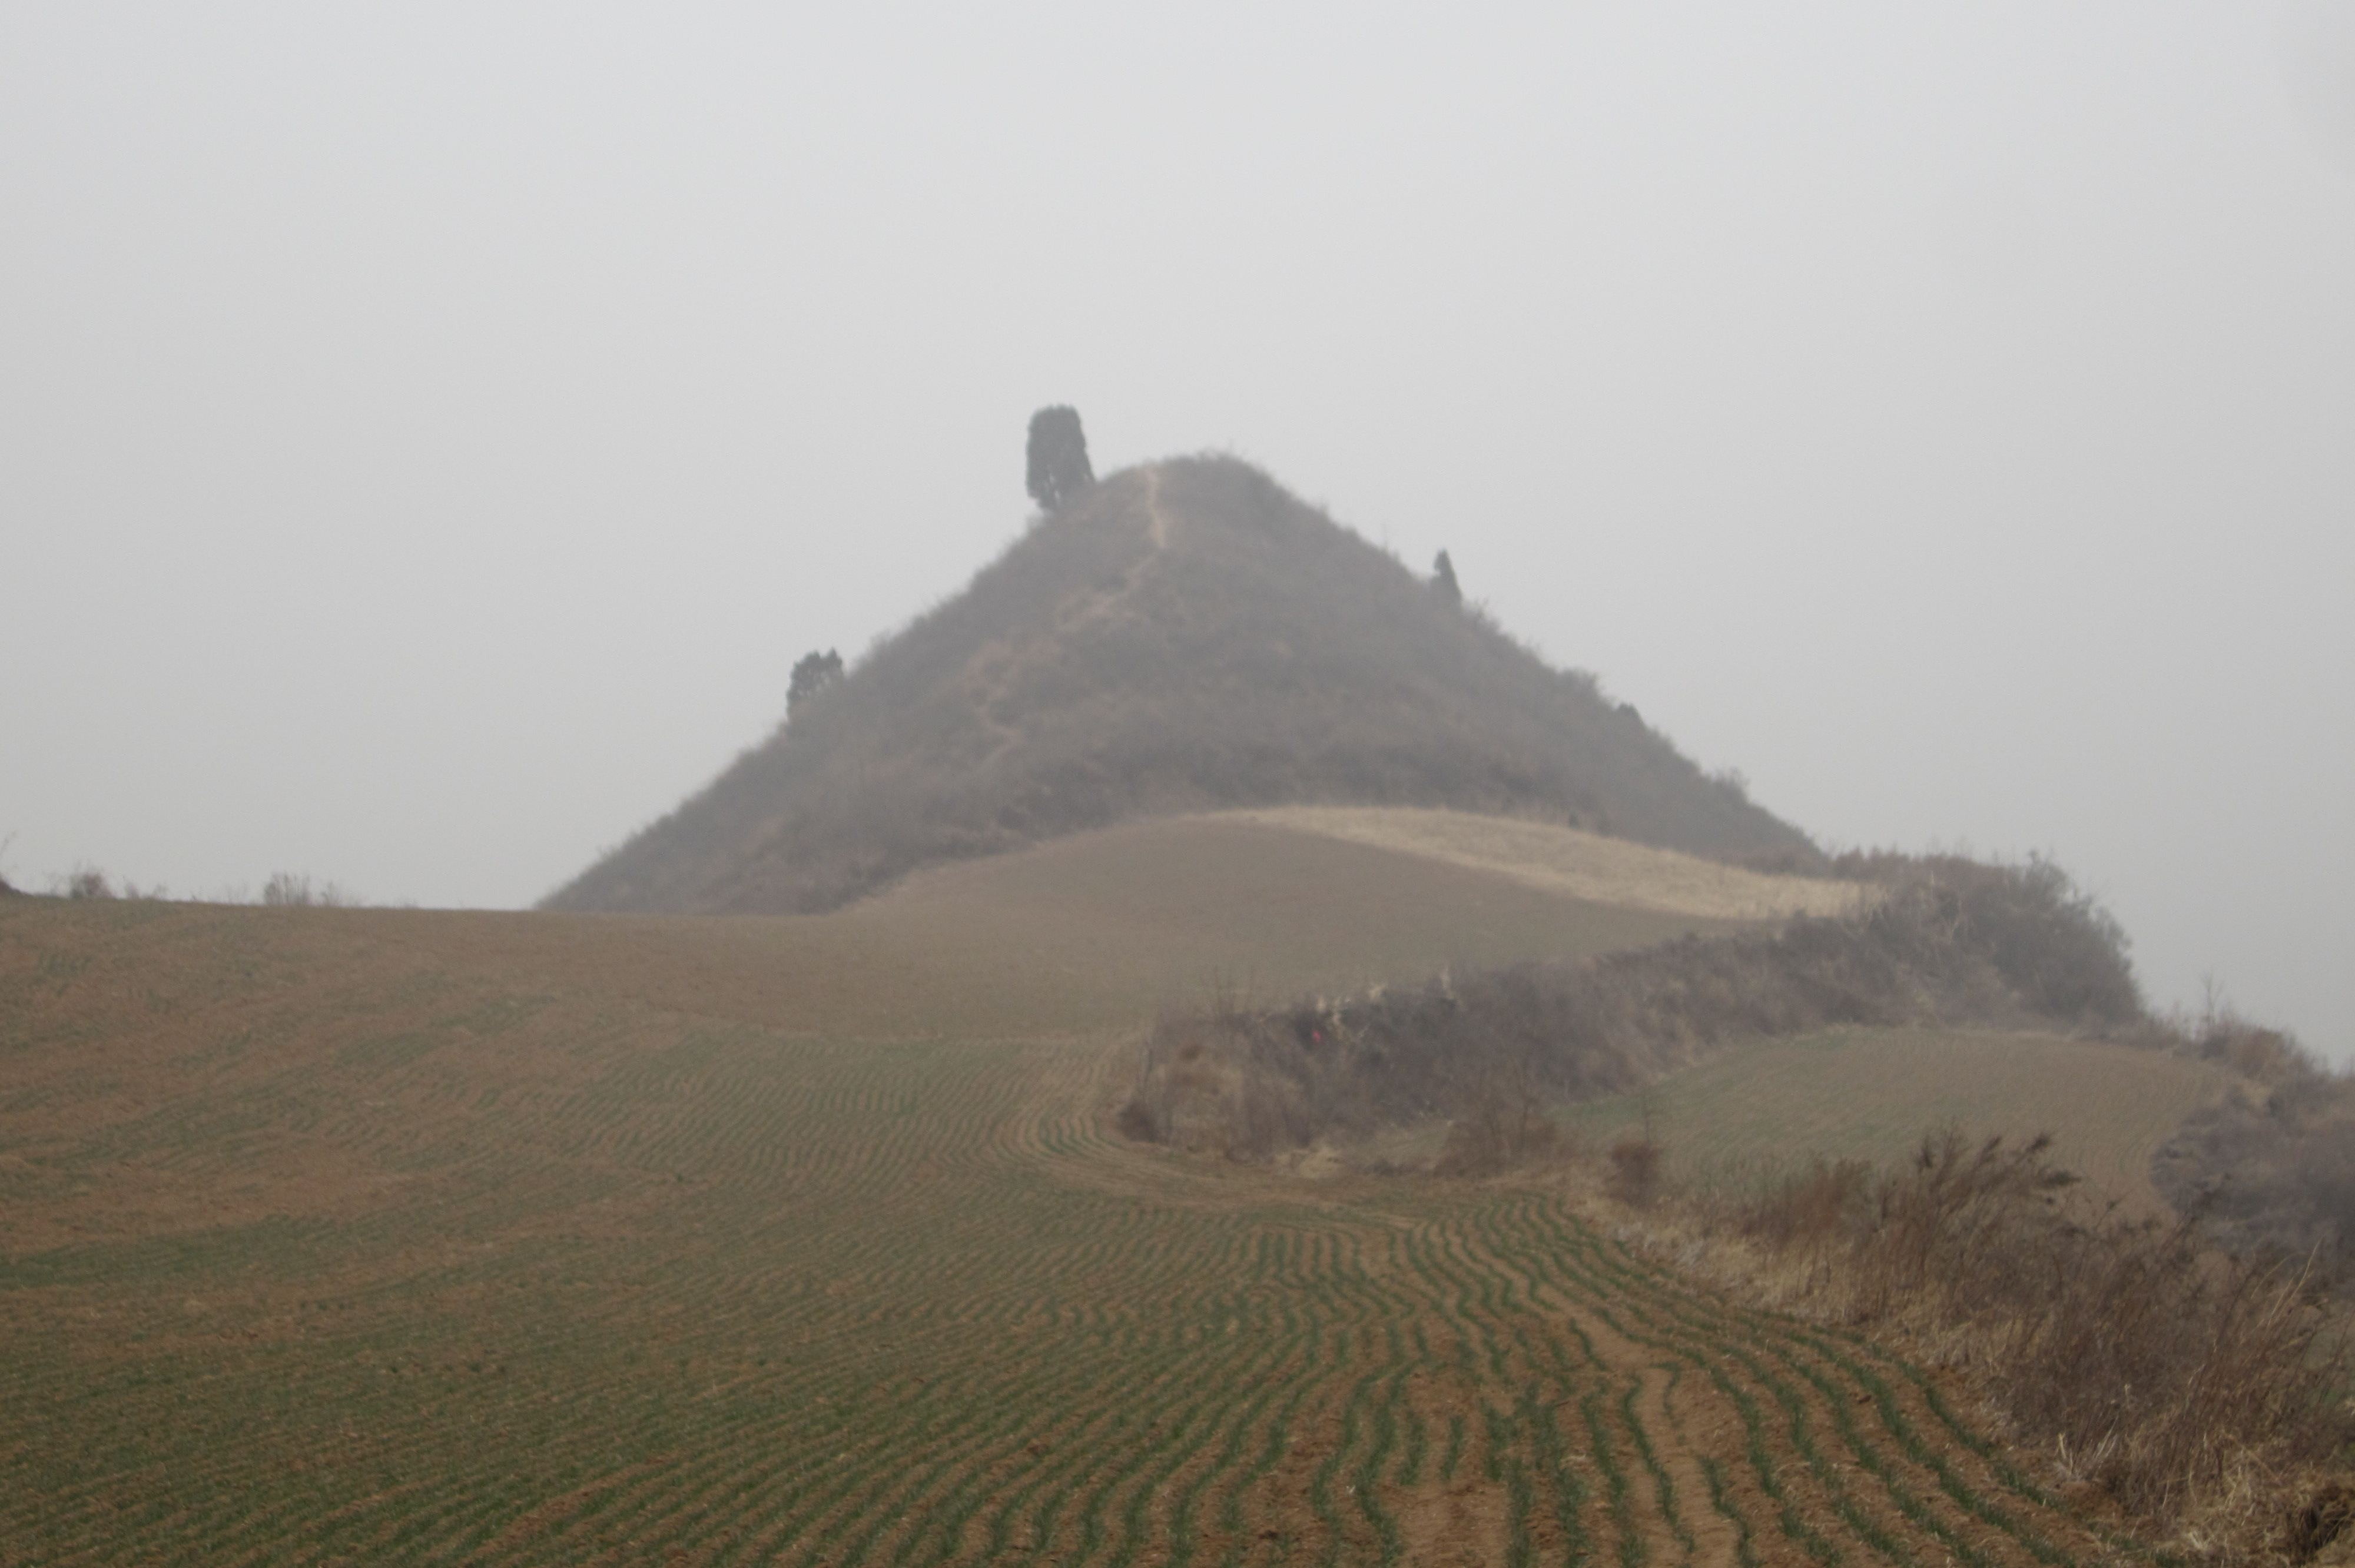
x=429, y=432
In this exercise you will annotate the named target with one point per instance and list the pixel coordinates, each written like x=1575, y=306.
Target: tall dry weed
x=2197, y=1388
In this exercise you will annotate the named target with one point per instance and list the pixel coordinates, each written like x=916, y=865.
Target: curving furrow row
x=743, y=1300
x=1836, y=1482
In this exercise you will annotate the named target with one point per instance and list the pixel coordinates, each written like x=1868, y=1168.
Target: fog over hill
x=1183, y=636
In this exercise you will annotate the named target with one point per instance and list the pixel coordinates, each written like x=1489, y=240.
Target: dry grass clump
x=2196, y=1388
x=1947, y=941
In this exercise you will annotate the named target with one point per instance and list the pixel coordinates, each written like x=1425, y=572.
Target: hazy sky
x=430, y=433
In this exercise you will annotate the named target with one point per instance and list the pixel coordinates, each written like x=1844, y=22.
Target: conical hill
x=1183, y=636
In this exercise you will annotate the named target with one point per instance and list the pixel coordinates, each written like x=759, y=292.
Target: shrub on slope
x=2272, y=1168
x=1180, y=637
x=1947, y=941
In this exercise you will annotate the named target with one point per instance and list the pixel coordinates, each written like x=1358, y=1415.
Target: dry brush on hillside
x=2272, y=1166
x=1181, y=637
x=2209, y=1394
x=1944, y=940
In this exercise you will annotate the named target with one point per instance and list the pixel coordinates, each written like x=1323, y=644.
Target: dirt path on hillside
x=1107, y=603
x=995, y=672
x=1156, y=527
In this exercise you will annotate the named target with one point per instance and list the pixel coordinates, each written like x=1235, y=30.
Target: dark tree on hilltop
x=814, y=673
x=1443, y=579
x=1059, y=457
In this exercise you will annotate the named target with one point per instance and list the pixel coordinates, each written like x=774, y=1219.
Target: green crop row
x=744, y=1298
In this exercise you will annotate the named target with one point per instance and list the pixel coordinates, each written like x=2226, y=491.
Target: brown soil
x=351, y=1236
x=1561, y=859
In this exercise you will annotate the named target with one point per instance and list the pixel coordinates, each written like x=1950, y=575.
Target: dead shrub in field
x=1134, y=1120
x=2176, y=1377
x=1496, y=1134
x=1501, y=1120
x=87, y=882
x=287, y=889
x=1635, y=1172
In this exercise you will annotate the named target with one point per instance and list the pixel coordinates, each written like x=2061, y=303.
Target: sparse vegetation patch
x=1944, y=940
x=293, y=890
x=1177, y=637
x=2196, y=1389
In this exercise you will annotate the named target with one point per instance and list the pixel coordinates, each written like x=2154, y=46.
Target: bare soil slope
x=1184, y=637
x=1568, y=860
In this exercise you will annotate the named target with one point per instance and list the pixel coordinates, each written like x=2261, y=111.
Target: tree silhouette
x=1059, y=457
x=1443, y=579
x=814, y=673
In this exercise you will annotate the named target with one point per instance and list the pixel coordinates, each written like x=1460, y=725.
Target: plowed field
x=369, y=1238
